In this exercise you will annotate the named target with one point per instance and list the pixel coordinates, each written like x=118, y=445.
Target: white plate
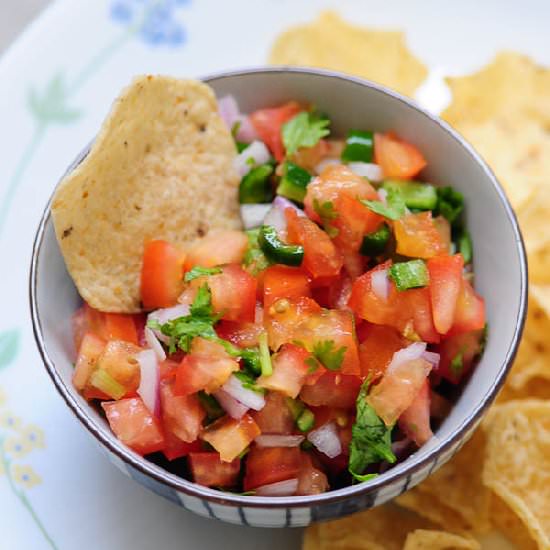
x=57, y=83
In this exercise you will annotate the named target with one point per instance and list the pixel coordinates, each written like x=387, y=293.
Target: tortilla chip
x=161, y=168
x=332, y=43
x=382, y=528
x=458, y=486
x=423, y=539
x=533, y=220
x=433, y=509
x=512, y=82
x=539, y=264
x=518, y=151
x=510, y=525
x=517, y=465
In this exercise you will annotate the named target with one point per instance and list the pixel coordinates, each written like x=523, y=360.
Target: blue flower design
x=154, y=20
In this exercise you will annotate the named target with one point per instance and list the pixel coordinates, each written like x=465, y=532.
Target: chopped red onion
x=410, y=353
x=149, y=383
x=383, y=194
x=253, y=215
x=165, y=315
x=276, y=214
x=154, y=344
x=254, y=155
x=372, y=172
x=230, y=405
x=230, y=113
x=324, y=163
x=275, y=440
x=250, y=398
x=326, y=440
x=432, y=357
x=381, y=284
x=284, y=488
x=283, y=203
x=399, y=447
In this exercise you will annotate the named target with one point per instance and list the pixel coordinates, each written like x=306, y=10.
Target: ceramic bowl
x=501, y=277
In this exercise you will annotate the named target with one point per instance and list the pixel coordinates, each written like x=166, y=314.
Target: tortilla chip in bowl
x=498, y=256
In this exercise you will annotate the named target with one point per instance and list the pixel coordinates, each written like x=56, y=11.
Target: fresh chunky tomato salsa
x=314, y=349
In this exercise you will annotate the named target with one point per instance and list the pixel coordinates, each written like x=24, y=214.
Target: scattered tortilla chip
x=162, y=168
x=539, y=265
x=458, y=486
x=517, y=465
x=533, y=220
x=332, y=43
x=434, y=510
x=510, y=525
x=518, y=151
x=512, y=82
x=423, y=539
x=382, y=528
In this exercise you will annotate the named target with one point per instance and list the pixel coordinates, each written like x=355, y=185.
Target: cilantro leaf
x=393, y=209
x=370, y=438
x=303, y=130
x=198, y=271
x=457, y=364
x=248, y=382
x=327, y=213
x=199, y=322
x=450, y=204
x=327, y=355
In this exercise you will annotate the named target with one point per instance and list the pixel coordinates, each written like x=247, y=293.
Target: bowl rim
x=400, y=472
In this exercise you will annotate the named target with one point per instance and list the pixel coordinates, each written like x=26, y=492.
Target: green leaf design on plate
x=51, y=104
x=9, y=346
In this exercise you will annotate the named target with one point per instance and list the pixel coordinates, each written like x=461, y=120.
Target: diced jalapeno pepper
x=293, y=184
x=417, y=195
x=375, y=243
x=255, y=187
x=359, y=147
x=277, y=250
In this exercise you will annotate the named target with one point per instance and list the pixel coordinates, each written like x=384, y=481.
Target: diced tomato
x=233, y=293
x=332, y=390
x=417, y=236
x=334, y=181
x=118, y=359
x=168, y=369
x=417, y=309
x=108, y=326
x=470, y=310
x=217, y=248
x=270, y=465
x=289, y=371
x=281, y=281
x=440, y=406
x=207, y=367
x=89, y=352
x=444, y=229
x=415, y=420
x=462, y=349
x=336, y=294
x=396, y=391
x=309, y=157
x=174, y=447
x=368, y=305
x=302, y=320
x=311, y=481
x=275, y=417
x=161, y=274
x=133, y=423
x=282, y=320
x=268, y=123
x=377, y=349
x=207, y=469
x=445, y=280
x=230, y=437
x=354, y=221
x=90, y=393
x=397, y=158
x=181, y=414
x=243, y=335
x=321, y=257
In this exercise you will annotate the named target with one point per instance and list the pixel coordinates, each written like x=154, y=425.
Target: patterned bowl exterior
x=48, y=272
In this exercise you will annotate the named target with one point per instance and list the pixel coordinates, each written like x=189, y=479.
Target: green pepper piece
x=359, y=146
x=465, y=247
x=375, y=243
x=255, y=187
x=241, y=146
x=413, y=274
x=293, y=184
x=277, y=250
x=305, y=421
x=417, y=195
